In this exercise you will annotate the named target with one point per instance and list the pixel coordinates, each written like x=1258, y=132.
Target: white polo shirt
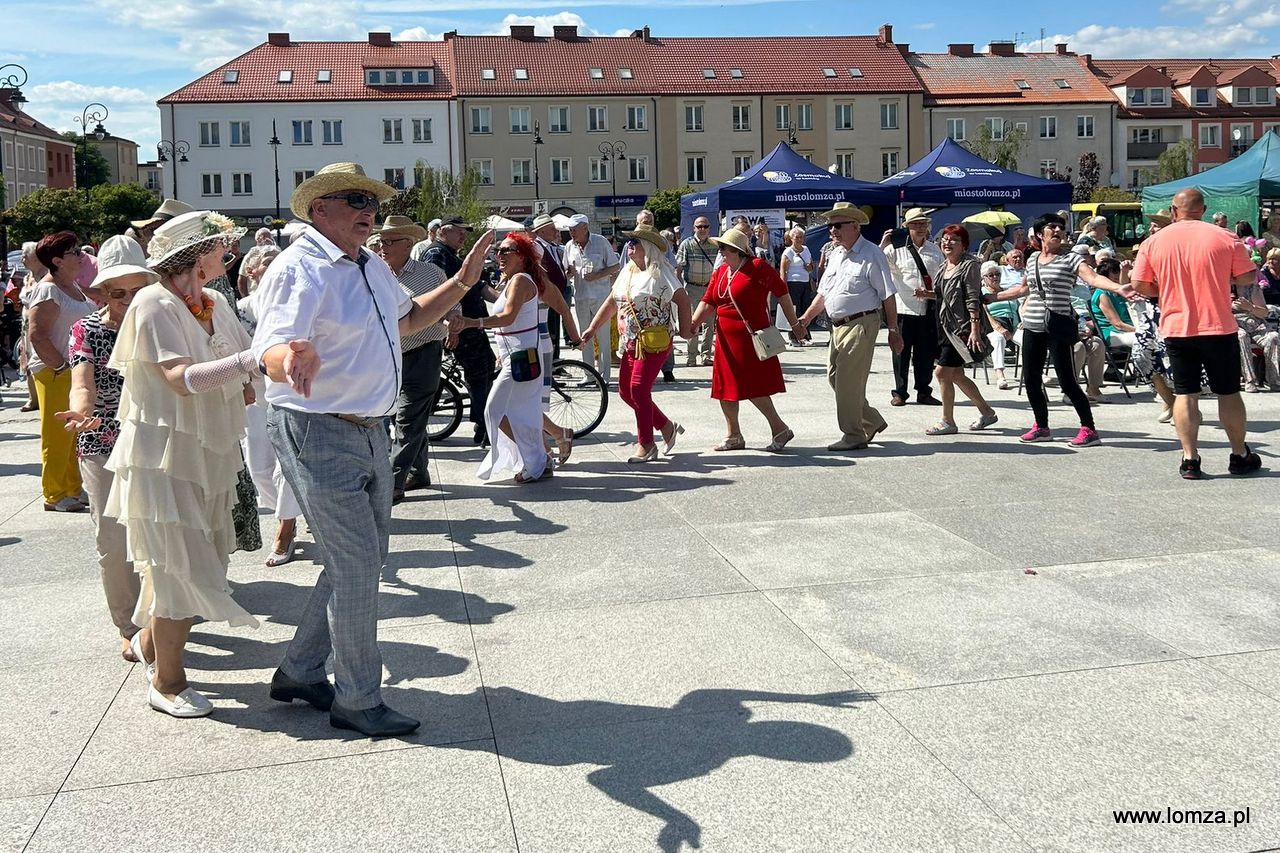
x=856, y=280
x=597, y=251
x=315, y=292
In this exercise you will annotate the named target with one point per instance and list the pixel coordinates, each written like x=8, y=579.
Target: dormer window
x=1137, y=97
x=324, y=75
x=828, y=72
x=735, y=73
x=521, y=73
x=1244, y=96
x=285, y=76
x=625, y=74
x=597, y=73
x=1022, y=84
x=1264, y=96
x=1159, y=97
x=231, y=76
x=708, y=74
x=1062, y=84
x=400, y=77
x=855, y=72
x=1202, y=97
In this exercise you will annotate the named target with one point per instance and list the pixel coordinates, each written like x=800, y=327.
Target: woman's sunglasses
x=506, y=250
x=123, y=294
x=357, y=201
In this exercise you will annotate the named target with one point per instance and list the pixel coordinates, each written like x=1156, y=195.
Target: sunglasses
x=387, y=241
x=357, y=201
x=836, y=226
x=73, y=251
x=123, y=294
x=506, y=250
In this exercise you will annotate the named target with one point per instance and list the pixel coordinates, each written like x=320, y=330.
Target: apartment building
x=121, y=156
x=32, y=155
x=297, y=106
x=1054, y=98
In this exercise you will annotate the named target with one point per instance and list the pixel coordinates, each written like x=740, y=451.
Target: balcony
x=1238, y=148
x=1146, y=150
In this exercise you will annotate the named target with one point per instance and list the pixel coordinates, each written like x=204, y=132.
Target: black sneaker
x=1190, y=469
x=1246, y=464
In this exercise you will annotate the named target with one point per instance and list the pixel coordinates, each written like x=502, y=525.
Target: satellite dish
x=1236, y=134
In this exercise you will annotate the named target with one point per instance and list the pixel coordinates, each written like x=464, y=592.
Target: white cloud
x=1253, y=13
x=69, y=90
x=925, y=25
x=1124, y=42
x=416, y=34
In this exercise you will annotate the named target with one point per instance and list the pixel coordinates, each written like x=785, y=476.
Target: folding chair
x=1117, y=357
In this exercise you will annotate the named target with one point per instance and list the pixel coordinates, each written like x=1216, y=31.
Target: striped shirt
x=417, y=278
x=1049, y=287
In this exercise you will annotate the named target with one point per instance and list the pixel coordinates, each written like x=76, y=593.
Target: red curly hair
x=528, y=253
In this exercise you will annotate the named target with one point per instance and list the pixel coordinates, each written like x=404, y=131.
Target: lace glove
x=210, y=375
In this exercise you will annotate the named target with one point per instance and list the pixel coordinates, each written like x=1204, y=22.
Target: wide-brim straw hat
x=1161, y=218
x=915, y=214
x=401, y=226
x=844, y=212
x=650, y=235
x=335, y=178
x=181, y=240
x=120, y=256
x=168, y=209
x=542, y=220
x=734, y=239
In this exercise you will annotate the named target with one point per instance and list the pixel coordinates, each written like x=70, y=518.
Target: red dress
x=736, y=373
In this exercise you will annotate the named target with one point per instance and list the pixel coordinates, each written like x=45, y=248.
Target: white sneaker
x=188, y=703
x=67, y=504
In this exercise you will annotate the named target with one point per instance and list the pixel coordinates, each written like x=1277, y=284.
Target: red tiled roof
x=259, y=70
x=1146, y=76
x=15, y=120
x=1180, y=70
x=555, y=66
x=989, y=79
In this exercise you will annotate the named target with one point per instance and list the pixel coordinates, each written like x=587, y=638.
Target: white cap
x=435, y=223
x=578, y=219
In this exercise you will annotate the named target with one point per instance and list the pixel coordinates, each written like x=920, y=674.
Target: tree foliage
x=441, y=194
x=1087, y=178
x=106, y=213
x=1174, y=163
x=1111, y=194
x=1003, y=152
x=112, y=206
x=91, y=166
x=665, y=205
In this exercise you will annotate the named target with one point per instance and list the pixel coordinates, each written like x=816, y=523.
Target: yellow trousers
x=60, y=473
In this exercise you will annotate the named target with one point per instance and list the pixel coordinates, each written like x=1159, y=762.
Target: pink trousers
x=635, y=386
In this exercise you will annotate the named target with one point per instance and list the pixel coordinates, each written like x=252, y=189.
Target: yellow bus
x=1125, y=222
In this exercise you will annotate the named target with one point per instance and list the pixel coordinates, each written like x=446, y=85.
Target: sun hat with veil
x=180, y=241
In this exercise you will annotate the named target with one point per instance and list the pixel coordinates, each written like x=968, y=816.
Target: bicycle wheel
x=579, y=396
x=447, y=414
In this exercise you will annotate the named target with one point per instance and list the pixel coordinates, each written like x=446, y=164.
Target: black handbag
x=1058, y=326
x=245, y=513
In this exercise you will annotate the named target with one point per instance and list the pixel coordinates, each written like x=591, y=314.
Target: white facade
x=231, y=167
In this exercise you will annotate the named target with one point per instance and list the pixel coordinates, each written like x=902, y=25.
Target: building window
x=889, y=115
x=239, y=133
x=1048, y=127
x=1158, y=98
x=558, y=119
x=1084, y=127
x=955, y=129
x=484, y=170
x=324, y=75
x=1048, y=168
x=782, y=116
x=1210, y=136
x=231, y=76
x=693, y=118
x=302, y=131
x=844, y=116
x=1022, y=84
x=1201, y=97
x=1244, y=96
x=241, y=183
x=599, y=170
x=480, y=120
x=1062, y=83
x=301, y=175
x=209, y=136
x=210, y=184
x=695, y=169
x=521, y=171
x=392, y=130
x=596, y=73
x=638, y=169
x=488, y=74
x=285, y=76
x=394, y=178
x=741, y=116
x=637, y=117
x=1137, y=97
x=597, y=118
x=1263, y=96
x=844, y=163
x=625, y=74
x=331, y=131
x=521, y=73
x=421, y=130
x=561, y=170
x=741, y=162
x=995, y=128
x=804, y=116
x=519, y=119
x=1147, y=134
x=888, y=164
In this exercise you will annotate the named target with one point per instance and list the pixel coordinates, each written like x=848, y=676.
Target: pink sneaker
x=1086, y=437
x=1036, y=433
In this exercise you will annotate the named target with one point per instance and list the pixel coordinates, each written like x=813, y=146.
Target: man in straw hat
x=855, y=287
x=915, y=268
x=168, y=209
x=331, y=316
x=421, y=354
x=547, y=236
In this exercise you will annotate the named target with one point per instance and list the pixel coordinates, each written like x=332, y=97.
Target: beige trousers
x=848, y=365
x=119, y=581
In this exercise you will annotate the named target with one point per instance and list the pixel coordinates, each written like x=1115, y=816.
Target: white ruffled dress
x=177, y=460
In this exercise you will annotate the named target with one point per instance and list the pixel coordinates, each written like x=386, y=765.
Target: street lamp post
x=274, y=142
x=792, y=139
x=614, y=152
x=96, y=113
x=537, y=185
x=178, y=152
x=15, y=80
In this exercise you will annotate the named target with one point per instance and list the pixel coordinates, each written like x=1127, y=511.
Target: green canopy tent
x=1236, y=188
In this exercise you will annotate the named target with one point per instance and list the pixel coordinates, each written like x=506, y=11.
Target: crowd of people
x=182, y=387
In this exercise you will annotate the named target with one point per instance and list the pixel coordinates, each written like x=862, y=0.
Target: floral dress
x=91, y=343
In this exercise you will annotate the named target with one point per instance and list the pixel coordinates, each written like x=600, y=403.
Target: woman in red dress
x=737, y=374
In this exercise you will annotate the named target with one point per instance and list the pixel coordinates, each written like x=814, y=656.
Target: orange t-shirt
x=1192, y=263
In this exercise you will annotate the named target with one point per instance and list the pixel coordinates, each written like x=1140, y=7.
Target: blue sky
x=126, y=54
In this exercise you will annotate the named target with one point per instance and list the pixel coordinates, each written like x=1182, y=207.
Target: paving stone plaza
x=936, y=644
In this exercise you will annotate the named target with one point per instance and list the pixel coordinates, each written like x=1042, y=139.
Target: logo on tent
x=953, y=172
x=777, y=177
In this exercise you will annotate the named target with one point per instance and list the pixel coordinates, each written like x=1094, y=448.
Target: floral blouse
x=644, y=300
x=92, y=343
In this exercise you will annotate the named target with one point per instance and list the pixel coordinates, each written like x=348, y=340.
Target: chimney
x=522, y=32
x=642, y=34
x=450, y=35
x=960, y=49
x=566, y=33
x=278, y=39
x=886, y=34
x=1061, y=48
x=904, y=49
x=1001, y=48
x=380, y=40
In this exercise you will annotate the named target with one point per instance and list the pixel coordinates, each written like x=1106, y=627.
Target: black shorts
x=948, y=356
x=1217, y=355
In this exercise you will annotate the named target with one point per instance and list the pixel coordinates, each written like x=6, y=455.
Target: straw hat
x=1161, y=218
x=913, y=215
x=335, y=178
x=167, y=210
x=845, y=212
x=120, y=256
x=734, y=239
x=542, y=220
x=181, y=240
x=650, y=235
x=401, y=226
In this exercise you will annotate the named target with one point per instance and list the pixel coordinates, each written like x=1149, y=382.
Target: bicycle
x=579, y=398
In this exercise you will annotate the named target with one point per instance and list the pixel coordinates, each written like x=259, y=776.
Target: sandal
x=984, y=421
x=733, y=442
x=279, y=558
x=942, y=428
x=780, y=440
x=546, y=474
x=564, y=444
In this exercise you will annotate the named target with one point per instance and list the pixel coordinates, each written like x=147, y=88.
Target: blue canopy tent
x=784, y=179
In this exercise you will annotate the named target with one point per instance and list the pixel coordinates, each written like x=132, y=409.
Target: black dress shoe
x=668, y=377
x=379, y=721
x=285, y=689
x=397, y=495
x=413, y=483
x=927, y=400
